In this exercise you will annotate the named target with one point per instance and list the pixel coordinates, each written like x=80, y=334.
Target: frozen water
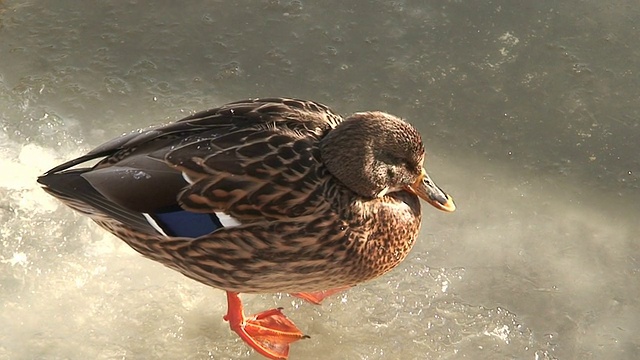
x=529, y=113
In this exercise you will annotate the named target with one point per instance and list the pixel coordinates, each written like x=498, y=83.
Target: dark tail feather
x=71, y=163
x=76, y=192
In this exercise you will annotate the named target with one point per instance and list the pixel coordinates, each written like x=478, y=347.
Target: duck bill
x=428, y=191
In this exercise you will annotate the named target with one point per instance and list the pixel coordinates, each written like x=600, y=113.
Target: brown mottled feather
x=260, y=161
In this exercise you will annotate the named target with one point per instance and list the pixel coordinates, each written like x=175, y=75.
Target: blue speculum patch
x=186, y=224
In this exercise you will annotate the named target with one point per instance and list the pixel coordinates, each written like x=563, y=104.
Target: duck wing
x=251, y=159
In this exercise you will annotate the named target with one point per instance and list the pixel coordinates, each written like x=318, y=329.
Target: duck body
x=245, y=197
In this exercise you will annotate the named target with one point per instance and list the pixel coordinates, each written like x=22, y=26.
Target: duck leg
x=269, y=332
x=318, y=296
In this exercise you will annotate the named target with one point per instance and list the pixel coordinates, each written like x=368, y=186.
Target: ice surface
x=529, y=114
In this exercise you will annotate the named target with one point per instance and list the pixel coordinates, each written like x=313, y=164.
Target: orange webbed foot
x=318, y=296
x=269, y=332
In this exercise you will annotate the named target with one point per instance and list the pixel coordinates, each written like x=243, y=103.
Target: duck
x=266, y=195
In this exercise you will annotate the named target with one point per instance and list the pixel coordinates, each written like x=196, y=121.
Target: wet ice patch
x=18, y=258
x=21, y=165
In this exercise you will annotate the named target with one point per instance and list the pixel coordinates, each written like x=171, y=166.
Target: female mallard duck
x=261, y=196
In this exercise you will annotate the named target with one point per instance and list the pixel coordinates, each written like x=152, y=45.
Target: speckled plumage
x=263, y=162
